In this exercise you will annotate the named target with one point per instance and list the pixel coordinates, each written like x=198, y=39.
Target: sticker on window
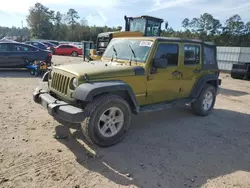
x=146, y=43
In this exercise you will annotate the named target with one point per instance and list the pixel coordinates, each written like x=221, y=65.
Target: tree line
x=234, y=32
x=48, y=24
x=44, y=23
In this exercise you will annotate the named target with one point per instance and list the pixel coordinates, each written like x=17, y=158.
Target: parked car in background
x=48, y=44
x=56, y=43
x=16, y=55
x=67, y=49
x=37, y=44
x=78, y=44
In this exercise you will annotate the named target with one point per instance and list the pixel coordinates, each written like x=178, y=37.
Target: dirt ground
x=169, y=149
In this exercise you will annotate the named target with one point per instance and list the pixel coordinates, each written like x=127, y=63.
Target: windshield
x=138, y=24
x=123, y=51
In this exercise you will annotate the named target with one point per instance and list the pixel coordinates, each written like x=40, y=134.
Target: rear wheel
x=205, y=102
x=74, y=54
x=107, y=120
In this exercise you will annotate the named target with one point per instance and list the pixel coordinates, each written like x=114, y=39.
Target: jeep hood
x=100, y=69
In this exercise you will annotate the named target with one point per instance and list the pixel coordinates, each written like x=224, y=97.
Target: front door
x=190, y=67
x=164, y=83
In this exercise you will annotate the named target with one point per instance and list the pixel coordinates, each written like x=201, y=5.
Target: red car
x=67, y=49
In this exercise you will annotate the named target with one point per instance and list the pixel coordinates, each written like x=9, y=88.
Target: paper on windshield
x=146, y=43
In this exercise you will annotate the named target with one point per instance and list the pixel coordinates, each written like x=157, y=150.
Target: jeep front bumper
x=58, y=109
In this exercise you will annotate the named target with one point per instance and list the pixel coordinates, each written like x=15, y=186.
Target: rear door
x=191, y=66
x=60, y=50
x=68, y=50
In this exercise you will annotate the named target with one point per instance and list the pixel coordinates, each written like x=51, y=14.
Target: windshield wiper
x=113, y=53
x=133, y=52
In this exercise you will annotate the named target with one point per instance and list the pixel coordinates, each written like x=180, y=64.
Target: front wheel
x=205, y=102
x=107, y=120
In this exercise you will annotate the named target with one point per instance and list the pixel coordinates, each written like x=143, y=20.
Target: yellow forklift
x=134, y=27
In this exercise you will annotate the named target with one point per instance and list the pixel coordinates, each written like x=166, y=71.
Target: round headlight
x=75, y=82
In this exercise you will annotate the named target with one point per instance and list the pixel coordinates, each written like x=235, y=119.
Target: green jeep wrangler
x=135, y=75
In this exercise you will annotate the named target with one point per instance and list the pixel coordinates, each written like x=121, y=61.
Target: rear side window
x=3, y=47
x=192, y=54
x=209, y=55
x=169, y=52
x=62, y=46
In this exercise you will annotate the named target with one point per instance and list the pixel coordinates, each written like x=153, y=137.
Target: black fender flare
x=196, y=90
x=87, y=91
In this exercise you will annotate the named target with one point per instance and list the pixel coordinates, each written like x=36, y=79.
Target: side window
x=3, y=47
x=19, y=48
x=68, y=46
x=192, y=54
x=62, y=46
x=209, y=55
x=169, y=52
x=23, y=48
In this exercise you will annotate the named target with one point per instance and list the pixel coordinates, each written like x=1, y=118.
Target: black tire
x=198, y=107
x=94, y=110
x=74, y=54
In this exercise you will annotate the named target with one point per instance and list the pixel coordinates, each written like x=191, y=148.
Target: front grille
x=60, y=83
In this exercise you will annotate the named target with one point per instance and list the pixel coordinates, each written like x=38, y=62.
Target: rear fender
x=210, y=78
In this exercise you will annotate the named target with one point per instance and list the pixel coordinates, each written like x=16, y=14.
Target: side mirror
x=160, y=63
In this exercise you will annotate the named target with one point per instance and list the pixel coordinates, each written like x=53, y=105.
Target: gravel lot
x=170, y=149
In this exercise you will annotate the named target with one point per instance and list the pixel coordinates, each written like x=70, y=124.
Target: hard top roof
x=174, y=39
x=184, y=40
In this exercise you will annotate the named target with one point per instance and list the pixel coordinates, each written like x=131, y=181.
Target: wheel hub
x=208, y=101
x=111, y=122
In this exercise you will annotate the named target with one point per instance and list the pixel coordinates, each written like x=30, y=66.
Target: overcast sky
x=111, y=12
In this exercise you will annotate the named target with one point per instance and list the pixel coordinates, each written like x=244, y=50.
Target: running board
x=165, y=105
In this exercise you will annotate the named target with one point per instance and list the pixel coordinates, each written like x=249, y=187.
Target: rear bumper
x=58, y=109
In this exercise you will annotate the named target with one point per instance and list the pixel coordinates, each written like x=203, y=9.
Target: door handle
x=196, y=71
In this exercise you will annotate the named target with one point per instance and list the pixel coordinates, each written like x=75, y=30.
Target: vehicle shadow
x=16, y=73
x=169, y=149
x=230, y=92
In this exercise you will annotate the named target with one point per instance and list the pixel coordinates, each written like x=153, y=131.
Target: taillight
x=50, y=54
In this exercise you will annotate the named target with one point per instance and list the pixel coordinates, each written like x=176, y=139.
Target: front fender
x=87, y=91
